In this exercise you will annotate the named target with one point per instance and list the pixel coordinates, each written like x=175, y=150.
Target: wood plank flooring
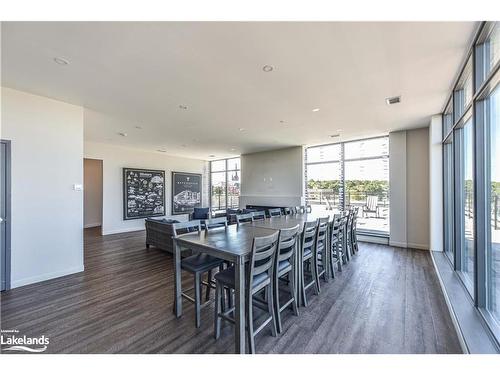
x=386, y=300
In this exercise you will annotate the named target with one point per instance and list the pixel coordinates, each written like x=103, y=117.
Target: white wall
x=397, y=189
x=274, y=178
x=115, y=158
x=436, y=184
x=417, y=188
x=409, y=188
x=47, y=159
x=92, y=193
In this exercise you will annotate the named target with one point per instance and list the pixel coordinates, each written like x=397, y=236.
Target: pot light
x=138, y=127
x=267, y=68
x=233, y=149
x=161, y=150
x=282, y=121
x=241, y=129
x=123, y=134
x=61, y=61
x=211, y=156
x=315, y=110
x=183, y=146
x=182, y=106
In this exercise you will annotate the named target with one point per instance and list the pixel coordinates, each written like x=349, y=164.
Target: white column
x=436, y=184
x=397, y=187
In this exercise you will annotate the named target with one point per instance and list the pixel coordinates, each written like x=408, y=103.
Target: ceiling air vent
x=393, y=100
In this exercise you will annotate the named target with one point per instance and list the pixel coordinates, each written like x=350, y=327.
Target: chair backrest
x=308, y=209
x=335, y=228
x=274, y=212
x=372, y=202
x=309, y=235
x=259, y=215
x=217, y=222
x=287, y=243
x=244, y=218
x=288, y=210
x=299, y=209
x=322, y=231
x=263, y=256
x=186, y=227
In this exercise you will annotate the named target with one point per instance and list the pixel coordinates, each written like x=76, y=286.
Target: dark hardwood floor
x=386, y=300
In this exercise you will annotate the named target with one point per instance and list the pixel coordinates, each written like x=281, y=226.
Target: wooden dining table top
x=231, y=241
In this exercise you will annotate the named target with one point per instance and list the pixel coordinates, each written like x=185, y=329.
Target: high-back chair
x=319, y=260
x=259, y=278
x=218, y=222
x=307, y=251
x=288, y=211
x=259, y=215
x=308, y=209
x=343, y=235
x=354, y=239
x=285, y=265
x=335, y=248
x=274, y=212
x=300, y=209
x=197, y=264
x=244, y=218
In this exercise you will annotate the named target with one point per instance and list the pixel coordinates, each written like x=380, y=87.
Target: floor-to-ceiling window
x=471, y=175
x=225, y=182
x=352, y=173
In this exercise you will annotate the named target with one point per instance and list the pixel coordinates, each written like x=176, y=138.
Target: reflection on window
x=225, y=184
x=367, y=148
x=323, y=153
x=493, y=255
x=324, y=186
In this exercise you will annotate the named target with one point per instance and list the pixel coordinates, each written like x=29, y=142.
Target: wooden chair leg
x=209, y=285
x=276, y=304
x=251, y=338
x=293, y=292
x=218, y=293
x=197, y=299
x=303, y=285
x=270, y=309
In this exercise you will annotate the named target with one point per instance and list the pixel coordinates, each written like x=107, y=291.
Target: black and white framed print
x=143, y=193
x=186, y=192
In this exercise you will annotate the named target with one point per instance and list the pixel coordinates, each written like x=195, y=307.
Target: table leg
x=177, y=271
x=240, y=306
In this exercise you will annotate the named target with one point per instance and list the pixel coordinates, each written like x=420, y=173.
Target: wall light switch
x=77, y=187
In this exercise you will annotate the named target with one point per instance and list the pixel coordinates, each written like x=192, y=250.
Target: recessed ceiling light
x=138, y=127
x=211, y=156
x=184, y=146
x=339, y=130
x=393, y=100
x=334, y=135
x=267, y=68
x=282, y=121
x=61, y=61
x=161, y=150
x=123, y=134
x=182, y=106
x=315, y=110
x=241, y=129
x=233, y=149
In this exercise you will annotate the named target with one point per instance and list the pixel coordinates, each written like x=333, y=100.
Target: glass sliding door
x=225, y=182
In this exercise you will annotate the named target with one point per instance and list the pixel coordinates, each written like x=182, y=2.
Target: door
x=4, y=215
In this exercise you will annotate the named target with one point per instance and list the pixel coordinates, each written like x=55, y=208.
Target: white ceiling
x=130, y=74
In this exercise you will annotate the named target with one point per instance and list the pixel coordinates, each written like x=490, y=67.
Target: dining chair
x=274, y=212
x=307, y=251
x=321, y=248
x=298, y=210
x=285, y=265
x=218, y=222
x=336, y=255
x=354, y=239
x=308, y=209
x=244, y=218
x=288, y=211
x=259, y=278
x=259, y=215
x=343, y=237
x=197, y=264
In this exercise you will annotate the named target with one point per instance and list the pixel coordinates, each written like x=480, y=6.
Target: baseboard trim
x=93, y=225
x=418, y=246
x=398, y=244
x=45, y=277
x=124, y=230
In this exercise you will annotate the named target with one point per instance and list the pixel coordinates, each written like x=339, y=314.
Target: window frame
x=225, y=171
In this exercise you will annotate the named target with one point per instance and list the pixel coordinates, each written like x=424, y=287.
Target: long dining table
x=233, y=244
